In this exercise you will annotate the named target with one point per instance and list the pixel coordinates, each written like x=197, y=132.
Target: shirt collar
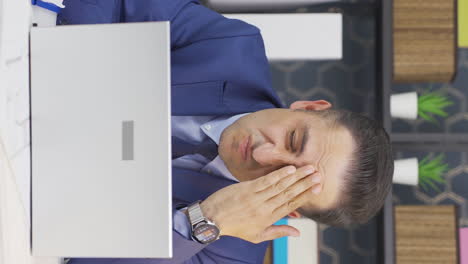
x=214, y=128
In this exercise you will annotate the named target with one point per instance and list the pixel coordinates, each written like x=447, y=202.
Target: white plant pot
x=406, y=171
x=404, y=105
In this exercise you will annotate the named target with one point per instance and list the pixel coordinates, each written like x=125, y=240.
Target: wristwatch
x=204, y=231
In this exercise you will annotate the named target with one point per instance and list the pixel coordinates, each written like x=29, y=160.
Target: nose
x=269, y=154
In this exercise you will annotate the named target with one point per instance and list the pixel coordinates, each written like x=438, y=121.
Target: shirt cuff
x=182, y=224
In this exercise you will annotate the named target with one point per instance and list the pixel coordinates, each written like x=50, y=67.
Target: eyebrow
x=305, y=137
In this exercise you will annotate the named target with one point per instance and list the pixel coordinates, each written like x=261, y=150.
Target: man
x=332, y=166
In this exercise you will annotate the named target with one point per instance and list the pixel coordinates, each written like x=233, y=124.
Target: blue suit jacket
x=218, y=67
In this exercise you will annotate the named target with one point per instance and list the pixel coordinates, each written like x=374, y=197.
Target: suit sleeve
x=190, y=21
x=181, y=224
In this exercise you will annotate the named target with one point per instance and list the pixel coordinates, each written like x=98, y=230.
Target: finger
x=293, y=204
x=285, y=184
x=272, y=178
x=293, y=191
x=277, y=231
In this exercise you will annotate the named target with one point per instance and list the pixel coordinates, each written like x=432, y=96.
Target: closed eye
x=291, y=141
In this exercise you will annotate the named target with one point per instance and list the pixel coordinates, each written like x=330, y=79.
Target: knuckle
x=292, y=204
x=268, y=180
x=271, y=176
x=279, y=186
x=288, y=194
x=265, y=181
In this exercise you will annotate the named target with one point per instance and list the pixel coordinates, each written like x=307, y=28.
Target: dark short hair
x=368, y=177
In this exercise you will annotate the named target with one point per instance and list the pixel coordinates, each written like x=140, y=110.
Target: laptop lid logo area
x=127, y=140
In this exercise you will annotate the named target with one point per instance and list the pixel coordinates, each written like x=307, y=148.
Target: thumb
x=277, y=231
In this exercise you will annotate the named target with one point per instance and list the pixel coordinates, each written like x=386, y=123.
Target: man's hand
x=248, y=209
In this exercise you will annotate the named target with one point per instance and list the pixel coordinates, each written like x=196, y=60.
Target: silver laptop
x=100, y=135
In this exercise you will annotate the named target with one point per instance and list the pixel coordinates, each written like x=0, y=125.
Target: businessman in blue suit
x=241, y=160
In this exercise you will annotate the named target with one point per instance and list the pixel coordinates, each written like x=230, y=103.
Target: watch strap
x=195, y=213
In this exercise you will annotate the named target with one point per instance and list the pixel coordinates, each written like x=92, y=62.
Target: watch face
x=206, y=233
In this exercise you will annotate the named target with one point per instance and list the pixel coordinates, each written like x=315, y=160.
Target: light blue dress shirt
x=196, y=129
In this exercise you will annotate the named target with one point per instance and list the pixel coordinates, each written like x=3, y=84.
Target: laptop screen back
x=100, y=128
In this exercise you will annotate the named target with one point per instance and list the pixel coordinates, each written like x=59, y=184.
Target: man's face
x=264, y=141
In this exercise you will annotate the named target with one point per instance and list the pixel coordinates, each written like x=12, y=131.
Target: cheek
x=263, y=171
x=258, y=120
x=314, y=201
x=224, y=150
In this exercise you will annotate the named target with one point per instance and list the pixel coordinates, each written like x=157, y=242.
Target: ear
x=311, y=105
x=294, y=214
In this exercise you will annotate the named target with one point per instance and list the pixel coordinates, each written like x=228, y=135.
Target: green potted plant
x=426, y=106
x=426, y=173
x=432, y=172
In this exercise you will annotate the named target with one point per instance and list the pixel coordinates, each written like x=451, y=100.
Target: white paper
x=298, y=36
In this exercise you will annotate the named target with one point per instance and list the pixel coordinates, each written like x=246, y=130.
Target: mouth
x=244, y=148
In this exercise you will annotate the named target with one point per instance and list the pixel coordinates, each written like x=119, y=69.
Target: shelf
x=430, y=147
x=430, y=137
x=384, y=71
